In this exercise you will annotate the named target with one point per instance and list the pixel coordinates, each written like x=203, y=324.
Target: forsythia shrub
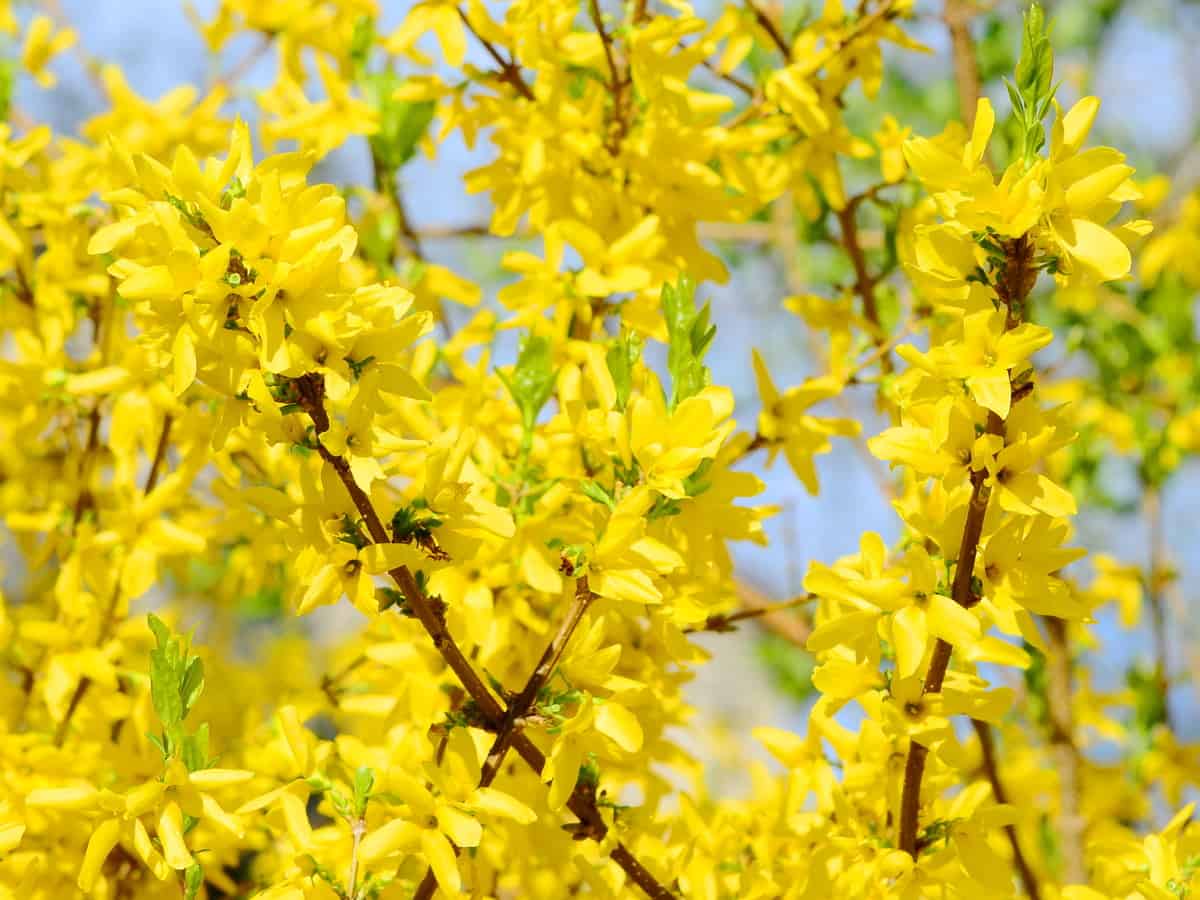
x=229, y=387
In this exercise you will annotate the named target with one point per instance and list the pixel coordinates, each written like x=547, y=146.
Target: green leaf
x=193, y=880
x=622, y=356
x=340, y=804
x=8, y=76
x=192, y=684
x=695, y=484
x=361, y=41
x=596, y=492
x=401, y=124
x=531, y=381
x=689, y=336
x=790, y=668
x=1034, y=86
x=364, y=780
x=176, y=682
x=194, y=751
x=166, y=675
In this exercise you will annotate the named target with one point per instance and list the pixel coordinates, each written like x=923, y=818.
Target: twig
x=987, y=748
x=356, y=830
x=523, y=703
x=617, y=83
x=160, y=454
x=722, y=622
x=957, y=16
x=509, y=70
x=1066, y=754
x=740, y=83
x=783, y=228
x=772, y=30
x=864, y=281
x=242, y=66
x=110, y=612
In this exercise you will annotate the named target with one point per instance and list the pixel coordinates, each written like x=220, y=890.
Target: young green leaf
x=596, y=492
x=176, y=682
x=622, y=356
x=364, y=780
x=1034, y=88
x=531, y=380
x=401, y=124
x=689, y=336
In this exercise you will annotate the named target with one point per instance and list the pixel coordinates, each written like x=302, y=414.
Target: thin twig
x=160, y=454
x=110, y=611
x=523, y=703
x=864, y=281
x=987, y=747
x=772, y=30
x=722, y=622
x=617, y=82
x=243, y=66
x=740, y=83
x=1064, y=751
x=509, y=70
x=957, y=15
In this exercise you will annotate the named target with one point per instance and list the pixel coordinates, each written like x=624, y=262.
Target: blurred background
x=1137, y=56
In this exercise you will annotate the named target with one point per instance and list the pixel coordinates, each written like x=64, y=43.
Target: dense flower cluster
x=234, y=394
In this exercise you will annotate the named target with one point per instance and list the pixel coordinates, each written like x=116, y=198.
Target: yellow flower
x=42, y=44
x=785, y=420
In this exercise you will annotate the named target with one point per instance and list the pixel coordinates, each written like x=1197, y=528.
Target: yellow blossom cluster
x=235, y=395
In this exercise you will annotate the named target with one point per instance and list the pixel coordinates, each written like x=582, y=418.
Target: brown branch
x=617, y=84
x=591, y=824
x=523, y=703
x=768, y=25
x=509, y=70
x=160, y=455
x=110, y=612
x=723, y=622
x=864, y=281
x=1065, y=753
x=740, y=83
x=783, y=227
x=987, y=748
x=84, y=498
x=957, y=15
x=1013, y=285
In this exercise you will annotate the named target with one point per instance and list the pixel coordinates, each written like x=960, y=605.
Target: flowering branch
x=524, y=702
x=311, y=394
x=1014, y=284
